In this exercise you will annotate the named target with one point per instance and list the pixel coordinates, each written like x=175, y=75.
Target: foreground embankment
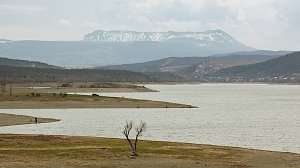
x=67, y=151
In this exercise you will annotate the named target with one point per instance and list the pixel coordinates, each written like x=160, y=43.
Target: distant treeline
x=24, y=63
x=27, y=74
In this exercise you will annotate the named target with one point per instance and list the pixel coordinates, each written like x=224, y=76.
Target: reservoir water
x=256, y=116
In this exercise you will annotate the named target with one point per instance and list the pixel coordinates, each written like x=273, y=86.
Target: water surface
x=245, y=115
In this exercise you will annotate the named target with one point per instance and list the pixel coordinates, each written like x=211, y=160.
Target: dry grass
x=65, y=151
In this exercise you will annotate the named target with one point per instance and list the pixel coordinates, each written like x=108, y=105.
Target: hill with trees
x=24, y=63
x=28, y=74
x=284, y=67
x=193, y=68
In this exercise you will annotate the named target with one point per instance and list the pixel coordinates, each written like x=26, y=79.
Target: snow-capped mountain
x=204, y=38
x=2, y=41
x=101, y=48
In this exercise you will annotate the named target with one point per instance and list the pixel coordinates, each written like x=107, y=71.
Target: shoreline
x=83, y=90
x=56, y=101
x=81, y=87
x=28, y=150
x=200, y=83
x=13, y=119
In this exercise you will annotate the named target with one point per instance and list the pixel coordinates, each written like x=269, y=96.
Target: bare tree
x=139, y=129
x=126, y=132
x=10, y=89
x=3, y=85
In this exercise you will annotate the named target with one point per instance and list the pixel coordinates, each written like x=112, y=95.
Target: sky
x=262, y=24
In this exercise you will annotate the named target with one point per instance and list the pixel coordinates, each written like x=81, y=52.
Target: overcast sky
x=263, y=24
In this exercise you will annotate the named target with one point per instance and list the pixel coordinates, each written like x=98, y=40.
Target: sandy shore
x=83, y=90
x=50, y=101
x=76, y=88
x=11, y=119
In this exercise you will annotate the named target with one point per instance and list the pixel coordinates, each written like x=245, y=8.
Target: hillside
x=102, y=48
x=282, y=67
x=192, y=67
x=27, y=74
x=24, y=63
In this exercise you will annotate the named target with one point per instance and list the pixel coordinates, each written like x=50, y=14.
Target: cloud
x=19, y=9
x=65, y=23
x=265, y=24
x=175, y=25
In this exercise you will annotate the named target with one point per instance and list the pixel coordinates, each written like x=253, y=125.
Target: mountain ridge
x=126, y=36
x=209, y=38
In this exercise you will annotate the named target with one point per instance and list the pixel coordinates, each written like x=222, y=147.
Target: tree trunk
x=135, y=144
x=131, y=145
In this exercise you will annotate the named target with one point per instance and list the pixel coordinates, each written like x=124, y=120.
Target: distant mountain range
x=102, y=48
x=2, y=41
x=152, y=56
x=230, y=68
